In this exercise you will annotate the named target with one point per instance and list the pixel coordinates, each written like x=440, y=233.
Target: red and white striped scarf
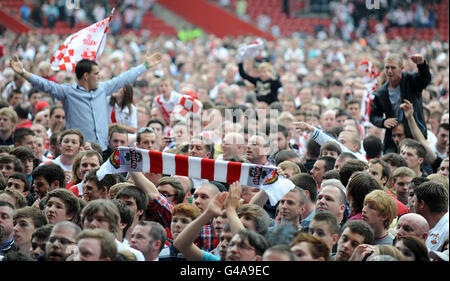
x=130, y=159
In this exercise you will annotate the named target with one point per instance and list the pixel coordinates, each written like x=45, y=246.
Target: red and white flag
x=130, y=159
x=371, y=86
x=87, y=43
x=186, y=105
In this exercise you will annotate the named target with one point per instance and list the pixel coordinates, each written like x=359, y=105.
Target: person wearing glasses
x=172, y=189
x=62, y=241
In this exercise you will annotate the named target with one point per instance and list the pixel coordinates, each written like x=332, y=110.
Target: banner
x=250, y=51
x=130, y=159
x=87, y=43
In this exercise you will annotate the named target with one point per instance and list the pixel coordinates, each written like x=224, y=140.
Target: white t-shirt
x=67, y=168
x=138, y=254
x=438, y=234
x=124, y=117
x=168, y=106
x=438, y=154
x=431, y=138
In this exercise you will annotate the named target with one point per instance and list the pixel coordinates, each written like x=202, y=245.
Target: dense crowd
x=369, y=161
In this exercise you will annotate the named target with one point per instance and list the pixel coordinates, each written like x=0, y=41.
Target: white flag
x=87, y=43
x=250, y=51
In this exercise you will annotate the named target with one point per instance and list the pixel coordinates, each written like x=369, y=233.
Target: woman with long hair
x=121, y=109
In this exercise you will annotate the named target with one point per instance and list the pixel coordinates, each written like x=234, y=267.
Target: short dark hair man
x=86, y=96
x=118, y=136
x=353, y=234
x=322, y=165
x=431, y=201
x=47, y=177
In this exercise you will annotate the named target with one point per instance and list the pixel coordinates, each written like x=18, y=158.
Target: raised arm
x=244, y=74
x=259, y=198
x=40, y=83
x=18, y=68
x=185, y=240
x=415, y=131
x=320, y=137
x=423, y=77
x=234, y=196
x=141, y=181
x=131, y=75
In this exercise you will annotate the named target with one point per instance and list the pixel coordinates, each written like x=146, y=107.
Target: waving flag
x=186, y=105
x=130, y=159
x=87, y=43
x=250, y=51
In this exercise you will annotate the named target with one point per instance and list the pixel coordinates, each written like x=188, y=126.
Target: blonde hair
x=354, y=138
x=10, y=113
x=166, y=79
x=107, y=241
x=439, y=179
x=267, y=66
x=402, y=172
x=128, y=255
x=113, y=190
x=289, y=165
x=394, y=58
x=286, y=117
x=385, y=205
x=20, y=200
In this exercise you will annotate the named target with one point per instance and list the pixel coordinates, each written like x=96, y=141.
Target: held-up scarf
x=130, y=159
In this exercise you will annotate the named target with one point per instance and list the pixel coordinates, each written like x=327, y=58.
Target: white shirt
x=138, y=254
x=26, y=87
x=168, y=105
x=431, y=138
x=438, y=234
x=438, y=154
x=321, y=138
x=124, y=117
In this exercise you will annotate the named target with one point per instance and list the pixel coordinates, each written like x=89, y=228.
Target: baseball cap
x=41, y=105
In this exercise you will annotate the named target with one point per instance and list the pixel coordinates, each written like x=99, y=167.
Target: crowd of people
x=369, y=161
x=47, y=13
